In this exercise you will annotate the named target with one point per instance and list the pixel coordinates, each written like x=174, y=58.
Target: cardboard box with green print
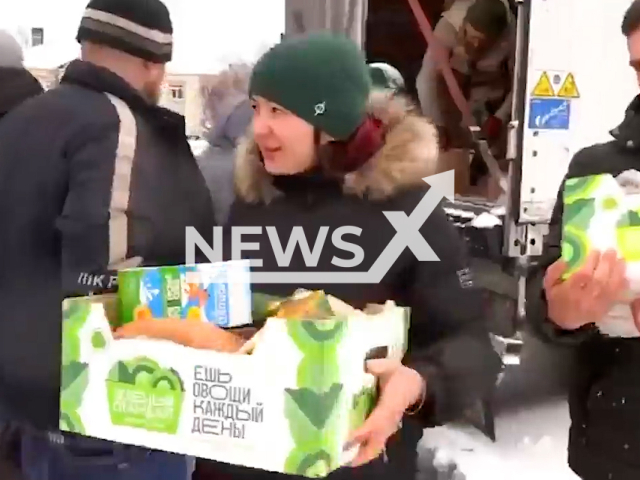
x=602, y=212
x=286, y=402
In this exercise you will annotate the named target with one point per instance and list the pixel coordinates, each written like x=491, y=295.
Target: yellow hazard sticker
x=569, y=89
x=543, y=88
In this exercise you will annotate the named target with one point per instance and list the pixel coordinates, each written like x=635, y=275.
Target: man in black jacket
x=604, y=401
x=94, y=177
x=17, y=84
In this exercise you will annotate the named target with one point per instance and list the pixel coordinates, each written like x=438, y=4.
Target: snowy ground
x=531, y=444
x=198, y=145
x=531, y=426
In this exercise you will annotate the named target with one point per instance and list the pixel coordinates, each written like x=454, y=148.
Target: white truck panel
x=582, y=38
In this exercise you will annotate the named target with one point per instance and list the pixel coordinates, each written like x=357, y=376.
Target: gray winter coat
x=216, y=162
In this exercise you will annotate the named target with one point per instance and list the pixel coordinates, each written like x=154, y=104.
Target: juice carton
x=219, y=293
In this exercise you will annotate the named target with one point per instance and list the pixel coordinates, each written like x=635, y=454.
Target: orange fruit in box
x=142, y=312
x=194, y=314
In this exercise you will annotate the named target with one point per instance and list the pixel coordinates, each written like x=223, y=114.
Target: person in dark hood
x=17, y=84
x=590, y=311
x=216, y=162
x=325, y=153
x=387, y=78
x=95, y=177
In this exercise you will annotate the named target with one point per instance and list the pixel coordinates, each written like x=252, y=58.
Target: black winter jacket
x=93, y=178
x=449, y=344
x=16, y=86
x=604, y=400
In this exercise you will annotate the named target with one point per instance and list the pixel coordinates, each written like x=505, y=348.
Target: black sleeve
x=84, y=221
x=449, y=343
x=536, y=302
x=33, y=182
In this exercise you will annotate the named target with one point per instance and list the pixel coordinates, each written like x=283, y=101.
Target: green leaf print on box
x=75, y=313
x=361, y=406
x=580, y=206
x=98, y=341
x=74, y=375
x=578, y=214
x=143, y=395
x=628, y=236
x=74, y=382
x=580, y=188
x=311, y=408
x=575, y=248
x=316, y=407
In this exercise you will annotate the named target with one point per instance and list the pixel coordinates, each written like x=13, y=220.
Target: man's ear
x=152, y=67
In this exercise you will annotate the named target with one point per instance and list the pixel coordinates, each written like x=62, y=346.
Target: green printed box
x=219, y=293
x=600, y=213
x=288, y=406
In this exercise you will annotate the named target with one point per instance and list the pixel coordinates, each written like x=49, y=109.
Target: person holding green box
x=572, y=301
x=327, y=150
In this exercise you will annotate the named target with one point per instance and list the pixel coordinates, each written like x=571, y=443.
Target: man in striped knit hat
x=95, y=177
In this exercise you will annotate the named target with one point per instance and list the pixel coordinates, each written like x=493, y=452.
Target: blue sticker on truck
x=549, y=113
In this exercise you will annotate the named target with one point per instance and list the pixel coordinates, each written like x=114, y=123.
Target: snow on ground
x=198, y=146
x=531, y=445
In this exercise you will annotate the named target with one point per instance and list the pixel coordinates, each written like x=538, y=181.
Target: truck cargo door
x=341, y=16
x=573, y=88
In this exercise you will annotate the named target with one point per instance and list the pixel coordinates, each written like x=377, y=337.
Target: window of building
x=37, y=36
x=176, y=92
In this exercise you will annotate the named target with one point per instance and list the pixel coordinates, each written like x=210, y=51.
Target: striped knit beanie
x=141, y=28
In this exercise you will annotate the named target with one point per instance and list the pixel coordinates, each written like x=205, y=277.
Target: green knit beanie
x=322, y=78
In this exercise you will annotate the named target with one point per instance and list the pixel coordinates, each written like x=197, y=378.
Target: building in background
x=347, y=17
x=37, y=36
x=183, y=92
x=47, y=61
x=206, y=44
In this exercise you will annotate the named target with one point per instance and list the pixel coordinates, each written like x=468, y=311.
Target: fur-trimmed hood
x=409, y=154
